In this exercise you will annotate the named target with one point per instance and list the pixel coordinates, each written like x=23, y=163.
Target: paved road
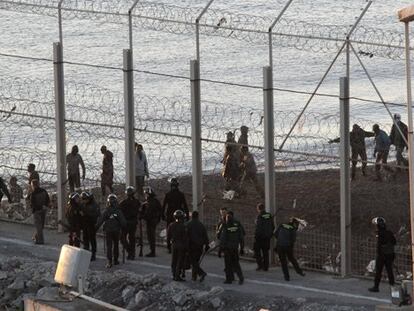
x=15, y=240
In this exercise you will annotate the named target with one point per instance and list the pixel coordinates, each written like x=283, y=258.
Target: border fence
x=305, y=163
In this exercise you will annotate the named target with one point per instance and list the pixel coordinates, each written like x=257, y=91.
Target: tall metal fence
x=232, y=46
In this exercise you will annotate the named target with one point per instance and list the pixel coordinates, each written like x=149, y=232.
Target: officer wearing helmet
x=91, y=213
x=385, y=253
x=151, y=213
x=113, y=221
x=131, y=208
x=399, y=131
x=174, y=200
x=177, y=241
x=74, y=216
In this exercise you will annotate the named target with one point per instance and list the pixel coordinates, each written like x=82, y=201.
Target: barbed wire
x=249, y=28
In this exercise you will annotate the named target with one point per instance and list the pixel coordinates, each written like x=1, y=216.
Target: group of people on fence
x=397, y=137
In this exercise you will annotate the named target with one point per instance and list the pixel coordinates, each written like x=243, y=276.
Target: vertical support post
x=60, y=22
x=345, y=179
x=60, y=129
x=410, y=135
x=129, y=118
x=270, y=200
x=197, y=175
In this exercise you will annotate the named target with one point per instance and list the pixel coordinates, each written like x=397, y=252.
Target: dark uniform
x=39, y=201
x=152, y=213
x=113, y=220
x=131, y=208
x=91, y=214
x=4, y=191
x=198, y=239
x=286, y=237
x=231, y=236
x=74, y=216
x=262, y=235
x=385, y=256
x=177, y=238
x=398, y=141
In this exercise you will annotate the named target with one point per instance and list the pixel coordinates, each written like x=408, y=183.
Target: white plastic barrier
x=73, y=263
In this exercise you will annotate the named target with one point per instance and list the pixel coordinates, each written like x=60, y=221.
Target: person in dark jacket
x=248, y=170
x=385, y=253
x=177, y=242
x=231, y=237
x=33, y=174
x=382, y=148
x=74, y=215
x=151, y=213
x=286, y=237
x=231, y=170
x=174, y=200
x=91, y=214
x=39, y=201
x=113, y=220
x=198, y=240
x=398, y=137
x=131, y=209
x=262, y=236
x=107, y=175
x=243, y=140
x=4, y=191
x=357, y=140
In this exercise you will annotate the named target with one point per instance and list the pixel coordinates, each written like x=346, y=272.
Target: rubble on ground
x=21, y=276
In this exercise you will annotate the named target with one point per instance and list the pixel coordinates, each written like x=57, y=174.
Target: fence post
x=60, y=129
x=345, y=180
x=197, y=174
x=270, y=200
x=129, y=118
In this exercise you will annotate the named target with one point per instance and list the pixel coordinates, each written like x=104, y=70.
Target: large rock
x=127, y=293
x=216, y=302
x=18, y=284
x=150, y=279
x=48, y=293
x=181, y=298
x=142, y=299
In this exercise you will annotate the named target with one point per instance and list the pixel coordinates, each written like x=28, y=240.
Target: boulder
x=181, y=298
x=127, y=293
x=215, y=302
x=142, y=299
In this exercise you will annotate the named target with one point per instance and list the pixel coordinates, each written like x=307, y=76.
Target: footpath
x=15, y=240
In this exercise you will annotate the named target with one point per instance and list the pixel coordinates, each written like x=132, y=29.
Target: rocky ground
x=21, y=276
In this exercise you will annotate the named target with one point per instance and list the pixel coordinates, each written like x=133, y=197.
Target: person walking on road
x=152, y=213
x=198, y=241
x=91, y=214
x=141, y=169
x=231, y=237
x=398, y=138
x=113, y=220
x=107, y=175
x=286, y=238
x=73, y=160
x=131, y=209
x=262, y=236
x=385, y=253
x=39, y=202
x=177, y=243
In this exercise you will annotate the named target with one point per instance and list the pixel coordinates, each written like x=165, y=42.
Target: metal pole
x=197, y=174
x=130, y=24
x=270, y=199
x=129, y=118
x=60, y=129
x=345, y=180
x=60, y=22
x=198, y=29
x=410, y=135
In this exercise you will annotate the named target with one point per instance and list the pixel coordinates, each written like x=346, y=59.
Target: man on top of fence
x=357, y=141
x=73, y=160
x=382, y=148
x=141, y=169
x=398, y=140
x=4, y=191
x=107, y=176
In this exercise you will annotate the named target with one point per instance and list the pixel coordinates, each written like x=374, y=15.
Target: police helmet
x=85, y=195
x=129, y=190
x=178, y=214
x=379, y=221
x=174, y=182
x=112, y=198
x=148, y=190
x=73, y=196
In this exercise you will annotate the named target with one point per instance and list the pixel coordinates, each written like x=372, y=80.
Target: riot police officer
x=91, y=213
x=131, y=208
x=151, y=213
x=174, y=200
x=262, y=236
x=198, y=239
x=177, y=241
x=231, y=237
x=385, y=253
x=74, y=216
x=113, y=220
